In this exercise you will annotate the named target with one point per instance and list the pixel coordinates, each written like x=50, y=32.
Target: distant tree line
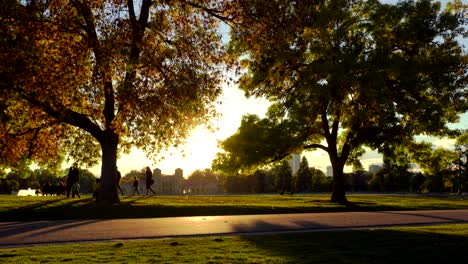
x=442, y=170
x=35, y=179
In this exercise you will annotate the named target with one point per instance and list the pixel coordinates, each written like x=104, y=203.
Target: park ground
x=420, y=244
x=14, y=208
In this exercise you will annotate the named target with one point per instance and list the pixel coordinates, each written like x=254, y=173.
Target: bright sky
x=201, y=146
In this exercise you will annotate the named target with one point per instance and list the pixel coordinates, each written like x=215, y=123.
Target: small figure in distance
x=69, y=181
x=61, y=189
x=118, y=176
x=135, y=186
x=72, y=178
x=149, y=180
x=76, y=190
x=97, y=188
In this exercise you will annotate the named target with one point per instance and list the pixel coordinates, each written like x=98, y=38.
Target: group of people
x=52, y=188
x=149, y=181
x=72, y=186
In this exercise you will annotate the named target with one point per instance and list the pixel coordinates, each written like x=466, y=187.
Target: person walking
x=135, y=186
x=73, y=176
x=149, y=180
x=76, y=190
x=97, y=188
x=118, y=176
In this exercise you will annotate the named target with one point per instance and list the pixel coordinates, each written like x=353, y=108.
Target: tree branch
x=213, y=12
x=144, y=13
x=101, y=61
x=278, y=158
x=138, y=29
x=325, y=126
x=315, y=146
x=345, y=151
x=31, y=142
x=131, y=11
x=66, y=116
x=89, y=26
x=335, y=125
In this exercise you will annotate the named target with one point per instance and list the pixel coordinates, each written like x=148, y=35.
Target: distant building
x=170, y=184
x=200, y=187
x=295, y=162
x=329, y=171
x=374, y=168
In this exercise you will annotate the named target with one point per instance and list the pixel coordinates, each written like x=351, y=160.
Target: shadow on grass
x=373, y=207
x=365, y=246
x=133, y=200
x=157, y=206
x=39, y=228
x=38, y=204
x=56, y=209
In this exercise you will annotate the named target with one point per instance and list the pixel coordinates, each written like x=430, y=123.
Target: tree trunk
x=338, y=191
x=109, y=145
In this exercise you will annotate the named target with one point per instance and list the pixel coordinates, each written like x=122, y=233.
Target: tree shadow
x=134, y=199
x=371, y=206
x=38, y=228
x=432, y=216
x=362, y=246
x=57, y=209
x=37, y=204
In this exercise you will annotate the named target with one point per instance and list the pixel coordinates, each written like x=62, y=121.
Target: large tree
x=342, y=74
x=93, y=78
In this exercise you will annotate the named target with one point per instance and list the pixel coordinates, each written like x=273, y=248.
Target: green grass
x=434, y=244
x=13, y=208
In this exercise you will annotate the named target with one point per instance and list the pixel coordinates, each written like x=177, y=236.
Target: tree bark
x=338, y=191
x=337, y=161
x=108, y=194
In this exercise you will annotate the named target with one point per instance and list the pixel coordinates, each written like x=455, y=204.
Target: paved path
x=43, y=232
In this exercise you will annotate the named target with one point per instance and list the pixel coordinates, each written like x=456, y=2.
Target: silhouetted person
x=118, y=176
x=73, y=176
x=61, y=189
x=135, y=186
x=53, y=188
x=149, y=180
x=46, y=189
x=4, y=186
x=76, y=190
x=97, y=188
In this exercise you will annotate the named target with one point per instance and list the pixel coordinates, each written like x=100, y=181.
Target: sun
x=198, y=151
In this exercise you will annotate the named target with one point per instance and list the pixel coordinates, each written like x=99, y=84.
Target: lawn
x=14, y=208
x=434, y=244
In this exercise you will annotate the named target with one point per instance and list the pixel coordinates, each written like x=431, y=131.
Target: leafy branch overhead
x=92, y=78
x=96, y=65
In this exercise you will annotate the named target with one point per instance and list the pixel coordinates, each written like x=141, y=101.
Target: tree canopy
x=343, y=74
x=92, y=78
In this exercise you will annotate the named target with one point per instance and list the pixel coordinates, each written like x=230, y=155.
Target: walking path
x=45, y=232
